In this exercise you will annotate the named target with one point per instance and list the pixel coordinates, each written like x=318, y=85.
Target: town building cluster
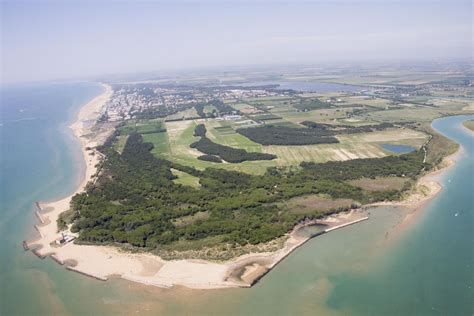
x=130, y=99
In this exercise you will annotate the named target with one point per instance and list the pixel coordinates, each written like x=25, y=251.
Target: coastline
x=105, y=262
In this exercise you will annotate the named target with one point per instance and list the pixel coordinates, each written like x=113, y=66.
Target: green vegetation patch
x=224, y=130
x=381, y=183
x=266, y=117
x=188, y=113
x=330, y=129
x=65, y=218
x=311, y=104
x=159, y=141
x=439, y=147
x=190, y=219
x=142, y=127
x=213, y=108
x=407, y=165
x=318, y=205
x=120, y=144
x=283, y=123
x=185, y=178
x=280, y=135
x=229, y=154
x=210, y=158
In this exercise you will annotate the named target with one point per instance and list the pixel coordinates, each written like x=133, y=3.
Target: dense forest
x=135, y=201
x=210, y=158
x=200, y=130
x=221, y=109
x=329, y=129
x=229, y=154
x=281, y=135
x=200, y=110
x=407, y=165
x=315, y=133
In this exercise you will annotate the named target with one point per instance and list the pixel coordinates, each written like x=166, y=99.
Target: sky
x=47, y=40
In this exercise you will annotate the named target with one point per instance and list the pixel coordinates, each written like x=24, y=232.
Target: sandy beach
x=104, y=262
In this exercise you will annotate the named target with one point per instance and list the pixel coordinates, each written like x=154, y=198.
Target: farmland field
x=345, y=108
x=174, y=145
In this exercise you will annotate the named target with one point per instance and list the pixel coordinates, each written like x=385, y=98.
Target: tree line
x=281, y=135
x=229, y=154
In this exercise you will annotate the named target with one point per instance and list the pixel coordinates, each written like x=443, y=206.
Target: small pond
x=398, y=149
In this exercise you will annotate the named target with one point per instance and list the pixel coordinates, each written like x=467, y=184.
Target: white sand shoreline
x=104, y=262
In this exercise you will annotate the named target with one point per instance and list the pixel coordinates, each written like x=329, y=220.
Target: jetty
x=56, y=259
x=36, y=253
x=38, y=212
x=86, y=274
x=346, y=224
x=40, y=218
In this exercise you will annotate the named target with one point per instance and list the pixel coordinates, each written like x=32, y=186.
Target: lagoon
x=308, y=86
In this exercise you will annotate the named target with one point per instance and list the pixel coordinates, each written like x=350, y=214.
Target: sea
x=383, y=266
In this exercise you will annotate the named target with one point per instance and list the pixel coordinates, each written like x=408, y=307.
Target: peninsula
x=211, y=187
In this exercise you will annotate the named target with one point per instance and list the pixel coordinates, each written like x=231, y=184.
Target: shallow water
x=372, y=268
x=398, y=149
x=309, y=86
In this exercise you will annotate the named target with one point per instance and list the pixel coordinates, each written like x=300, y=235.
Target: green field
x=174, y=145
x=185, y=178
x=121, y=140
x=142, y=127
x=159, y=141
x=189, y=113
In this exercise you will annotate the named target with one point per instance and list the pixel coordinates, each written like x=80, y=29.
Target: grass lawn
x=159, y=141
x=121, y=140
x=228, y=137
x=142, y=127
x=185, y=178
x=189, y=113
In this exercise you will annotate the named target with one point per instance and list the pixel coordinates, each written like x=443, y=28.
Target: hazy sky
x=43, y=40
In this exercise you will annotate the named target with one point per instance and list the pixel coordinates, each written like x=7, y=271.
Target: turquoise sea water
x=38, y=162
x=377, y=267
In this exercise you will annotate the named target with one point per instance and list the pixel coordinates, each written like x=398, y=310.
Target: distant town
x=129, y=100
